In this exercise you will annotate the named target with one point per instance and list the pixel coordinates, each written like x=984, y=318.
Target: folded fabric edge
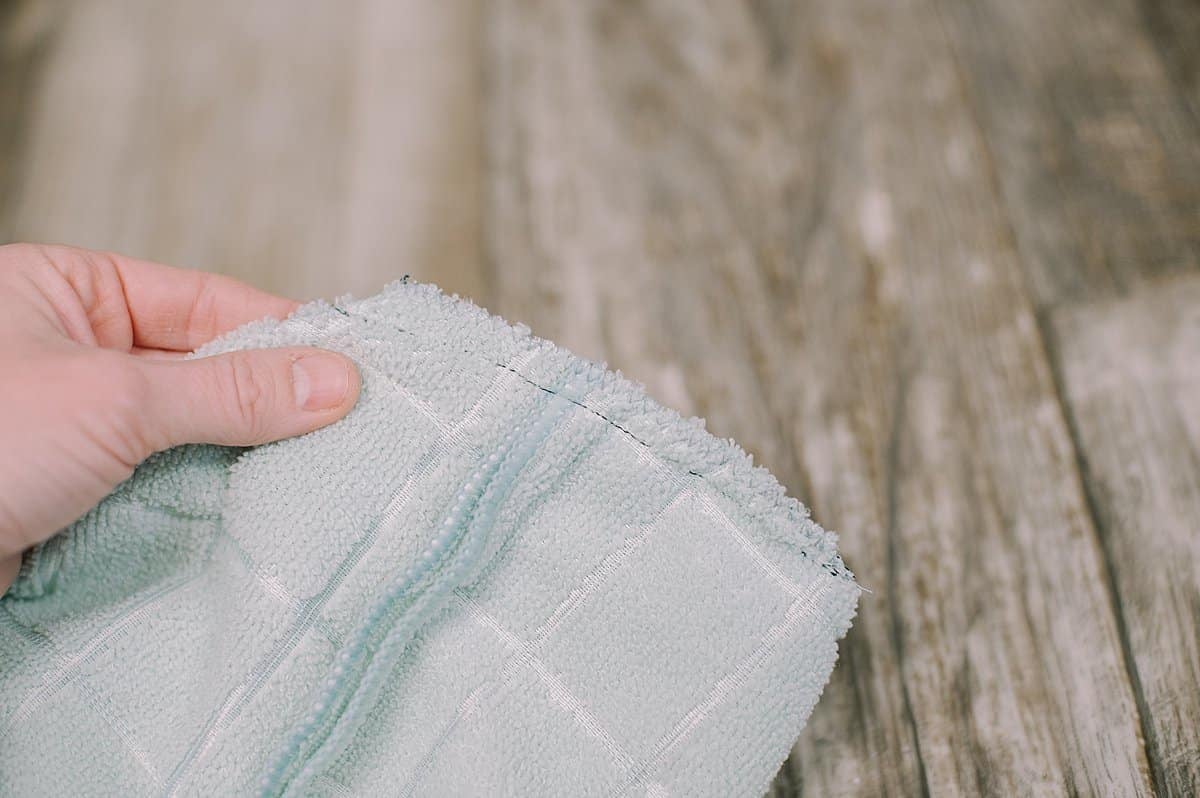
x=681, y=442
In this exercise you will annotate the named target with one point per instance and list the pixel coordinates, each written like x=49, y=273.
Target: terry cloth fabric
x=506, y=572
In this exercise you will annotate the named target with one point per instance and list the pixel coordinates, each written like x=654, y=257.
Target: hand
x=92, y=380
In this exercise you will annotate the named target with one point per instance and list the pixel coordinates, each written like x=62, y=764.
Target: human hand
x=93, y=380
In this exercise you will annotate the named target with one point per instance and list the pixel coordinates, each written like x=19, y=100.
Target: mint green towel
x=506, y=572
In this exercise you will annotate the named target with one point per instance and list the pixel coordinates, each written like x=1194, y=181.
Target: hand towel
x=506, y=572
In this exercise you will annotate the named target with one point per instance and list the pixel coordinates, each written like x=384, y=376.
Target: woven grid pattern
x=623, y=611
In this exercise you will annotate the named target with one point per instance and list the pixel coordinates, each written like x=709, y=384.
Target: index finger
x=181, y=309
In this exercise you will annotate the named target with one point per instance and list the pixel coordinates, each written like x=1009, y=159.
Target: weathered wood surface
x=935, y=264
x=1089, y=137
x=317, y=148
x=1131, y=375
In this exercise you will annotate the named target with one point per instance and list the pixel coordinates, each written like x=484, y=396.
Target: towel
x=506, y=572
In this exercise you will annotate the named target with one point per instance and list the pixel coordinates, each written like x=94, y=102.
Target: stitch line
x=843, y=573
x=365, y=317
x=492, y=688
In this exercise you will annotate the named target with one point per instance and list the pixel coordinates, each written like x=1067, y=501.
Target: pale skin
x=93, y=380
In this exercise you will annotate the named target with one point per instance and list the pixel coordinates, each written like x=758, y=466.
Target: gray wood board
x=934, y=264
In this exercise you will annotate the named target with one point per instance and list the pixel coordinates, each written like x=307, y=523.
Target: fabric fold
x=507, y=571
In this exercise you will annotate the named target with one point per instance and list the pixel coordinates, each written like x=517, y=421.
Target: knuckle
x=19, y=252
x=129, y=436
x=130, y=386
x=203, y=315
x=85, y=270
x=247, y=394
x=56, y=256
x=26, y=258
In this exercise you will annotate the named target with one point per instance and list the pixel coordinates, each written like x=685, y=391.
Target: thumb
x=247, y=398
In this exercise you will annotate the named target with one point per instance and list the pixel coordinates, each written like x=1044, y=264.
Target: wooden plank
x=1090, y=116
x=1091, y=136
x=781, y=218
x=1131, y=377
x=315, y=150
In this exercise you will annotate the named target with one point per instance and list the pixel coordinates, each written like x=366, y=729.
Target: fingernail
x=320, y=381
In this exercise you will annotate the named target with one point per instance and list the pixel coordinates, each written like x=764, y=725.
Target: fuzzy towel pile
x=506, y=572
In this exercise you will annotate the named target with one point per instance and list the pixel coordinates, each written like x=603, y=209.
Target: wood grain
x=1131, y=378
x=791, y=208
x=935, y=264
x=1091, y=141
x=315, y=148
